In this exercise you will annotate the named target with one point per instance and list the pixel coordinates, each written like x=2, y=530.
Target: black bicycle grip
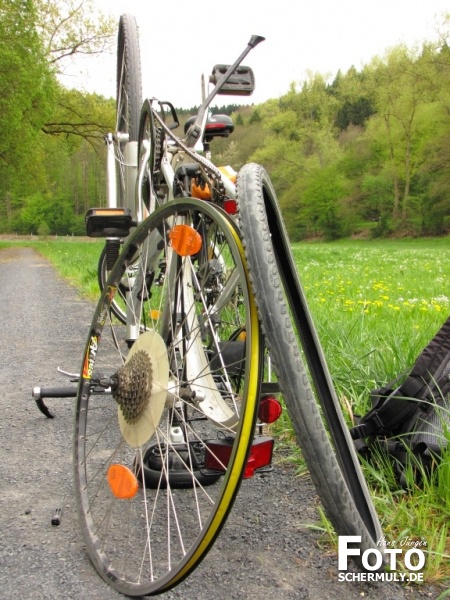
x=255, y=40
x=54, y=392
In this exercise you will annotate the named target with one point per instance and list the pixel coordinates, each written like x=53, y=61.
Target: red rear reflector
x=260, y=456
x=270, y=409
x=219, y=452
x=230, y=206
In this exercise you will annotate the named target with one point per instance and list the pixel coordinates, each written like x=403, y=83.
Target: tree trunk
x=407, y=177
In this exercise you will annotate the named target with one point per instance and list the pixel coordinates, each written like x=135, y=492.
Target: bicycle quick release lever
x=196, y=129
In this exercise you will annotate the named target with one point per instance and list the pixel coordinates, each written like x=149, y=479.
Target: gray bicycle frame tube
x=194, y=134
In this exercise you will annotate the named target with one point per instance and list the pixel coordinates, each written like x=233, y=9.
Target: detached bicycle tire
x=315, y=413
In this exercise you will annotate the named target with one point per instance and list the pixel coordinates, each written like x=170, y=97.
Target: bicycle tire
x=191, y=312
x=128, y=106
x=128, y=99
x=129, y=78
x=320, y=429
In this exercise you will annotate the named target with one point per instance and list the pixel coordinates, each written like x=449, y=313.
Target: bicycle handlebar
x=255, y=40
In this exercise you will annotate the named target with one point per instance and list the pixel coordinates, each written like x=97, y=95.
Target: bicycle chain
x=212, y=173
x=158, y=149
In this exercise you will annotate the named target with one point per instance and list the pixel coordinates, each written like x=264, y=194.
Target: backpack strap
x=432, y=360
x=429, y=367
x=386, y=415
x=393, y=407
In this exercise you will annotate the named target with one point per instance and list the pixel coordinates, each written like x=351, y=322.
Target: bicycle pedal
x=109, y=222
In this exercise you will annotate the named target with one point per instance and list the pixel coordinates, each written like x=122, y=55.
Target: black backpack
x=413, y=418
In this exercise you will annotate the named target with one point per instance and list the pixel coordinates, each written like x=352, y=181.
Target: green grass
x=77, y=262
x=375, y=306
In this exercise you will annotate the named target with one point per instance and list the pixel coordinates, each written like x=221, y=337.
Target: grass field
x=375, y=306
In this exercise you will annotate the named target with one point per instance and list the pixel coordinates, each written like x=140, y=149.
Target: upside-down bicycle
x=199, y=298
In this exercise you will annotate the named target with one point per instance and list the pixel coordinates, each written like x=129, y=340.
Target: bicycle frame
x=172, y=380
x=125, y=164
x=196, y=361
x=133, y=165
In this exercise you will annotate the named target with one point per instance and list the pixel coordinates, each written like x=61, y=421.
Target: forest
x=365, y=153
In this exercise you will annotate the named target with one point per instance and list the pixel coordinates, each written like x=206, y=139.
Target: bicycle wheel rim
x=91, y=478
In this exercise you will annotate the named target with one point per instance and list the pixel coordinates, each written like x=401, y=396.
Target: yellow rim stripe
x=246, y=429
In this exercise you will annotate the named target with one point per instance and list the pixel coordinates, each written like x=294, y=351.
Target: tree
x=401, y=85
x=45, y=126
x=355, y=105
x=303, y=142
x=80, y=115
x=434, y=167
x=72, y=27
x=28, y=88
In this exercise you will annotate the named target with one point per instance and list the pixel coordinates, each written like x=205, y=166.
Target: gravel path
x=263, y=551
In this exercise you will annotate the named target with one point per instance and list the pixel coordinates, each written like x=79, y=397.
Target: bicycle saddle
x=216, y=126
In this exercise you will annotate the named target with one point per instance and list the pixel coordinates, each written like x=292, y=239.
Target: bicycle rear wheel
x=314, y=409
x=167, y=402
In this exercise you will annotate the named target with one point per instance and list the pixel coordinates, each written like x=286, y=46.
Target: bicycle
x=173, y=378
x=172, y=375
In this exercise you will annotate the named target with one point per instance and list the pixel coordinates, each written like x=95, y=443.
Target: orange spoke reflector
x=122, y=482
x=185, y=240
x=155, y=314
